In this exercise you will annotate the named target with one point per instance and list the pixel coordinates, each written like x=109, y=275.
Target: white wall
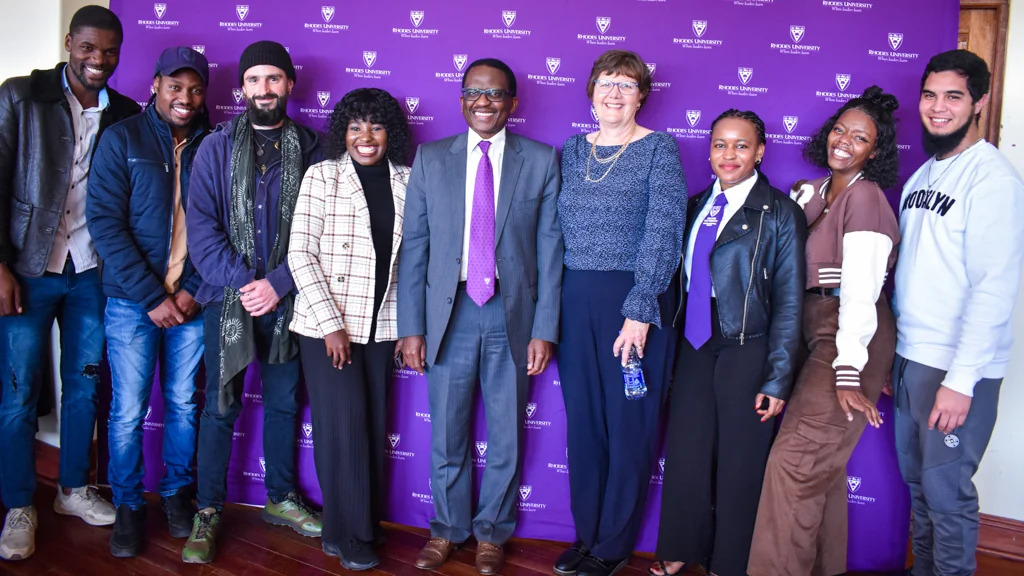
x=1001, y=476
x=28, y=30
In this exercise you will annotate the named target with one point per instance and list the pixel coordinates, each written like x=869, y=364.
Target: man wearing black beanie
x=245, y=180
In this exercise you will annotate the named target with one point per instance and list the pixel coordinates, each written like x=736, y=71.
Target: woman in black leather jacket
x=742, y=280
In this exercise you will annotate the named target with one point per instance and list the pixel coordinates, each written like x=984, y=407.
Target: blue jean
x=134, y=345
x=76, y=302
x=280, y=416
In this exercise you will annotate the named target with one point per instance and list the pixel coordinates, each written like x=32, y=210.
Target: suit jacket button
x=345, y=245
x=458, y=260
x=765, y=206
x=341, y=278
x=744, y=226
x=449, y=300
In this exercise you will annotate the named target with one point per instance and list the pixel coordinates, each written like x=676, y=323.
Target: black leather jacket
x=758, y=271
x=36, y=151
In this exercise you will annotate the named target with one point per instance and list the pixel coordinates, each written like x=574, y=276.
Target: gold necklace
x=614, y=159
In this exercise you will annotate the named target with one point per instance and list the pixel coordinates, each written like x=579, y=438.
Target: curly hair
x=883, y=169
x=378, y=107
x=744, y=115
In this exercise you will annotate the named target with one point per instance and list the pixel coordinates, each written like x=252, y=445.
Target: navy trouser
x=611, y=440
x=280, y=386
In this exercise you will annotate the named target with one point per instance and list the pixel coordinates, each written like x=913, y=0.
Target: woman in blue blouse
x=622, y=209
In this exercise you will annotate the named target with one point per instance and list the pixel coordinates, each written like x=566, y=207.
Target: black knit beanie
x=265, y=52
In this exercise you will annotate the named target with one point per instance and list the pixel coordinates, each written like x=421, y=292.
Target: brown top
x=176, y=258
x=862, y=207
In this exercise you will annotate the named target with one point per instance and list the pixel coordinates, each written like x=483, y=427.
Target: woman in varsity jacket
x=850, y=333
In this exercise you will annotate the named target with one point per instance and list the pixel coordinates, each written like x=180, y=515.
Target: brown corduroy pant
x=801, y=519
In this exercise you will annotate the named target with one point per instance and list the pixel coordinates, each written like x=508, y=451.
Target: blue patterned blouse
x=631, y=221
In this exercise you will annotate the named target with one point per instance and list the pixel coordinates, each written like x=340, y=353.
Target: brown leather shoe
x=489, y=558
x=435, y=553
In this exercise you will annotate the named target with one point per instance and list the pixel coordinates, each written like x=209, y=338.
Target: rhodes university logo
x=369, y=57
x=693, y=117
x=895, y=40
x=394, y=440
x=416, y=17
x=201, y=48
x=853, y=483
x=242, y=10
x=307, y=429
x=411, y=104
x=553, y=64
x=651, y=67
x=160, y=10
x=525, y=491
x=842, y=82
x=744, y=74
x=790, y=123
x=460, y=61
x=328, y=13
x=263, y=464
x=508, y=17
x=237, y=94
x=324, y=97
x=603, y=24
x=481, y=448
x=797, y=33
x=700, y=27
x=531, y=409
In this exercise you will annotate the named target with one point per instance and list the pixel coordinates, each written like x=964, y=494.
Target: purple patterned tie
x=698, y=303
x=480, y=270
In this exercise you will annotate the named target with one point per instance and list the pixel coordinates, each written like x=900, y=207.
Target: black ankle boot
x=129, y=531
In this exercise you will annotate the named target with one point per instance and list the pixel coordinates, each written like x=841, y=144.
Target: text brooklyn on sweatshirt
x=958, y=272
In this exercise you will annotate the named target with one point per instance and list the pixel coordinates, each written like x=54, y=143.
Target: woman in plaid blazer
x=343, y=255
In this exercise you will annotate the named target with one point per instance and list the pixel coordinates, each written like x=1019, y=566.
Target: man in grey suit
x=479, y=282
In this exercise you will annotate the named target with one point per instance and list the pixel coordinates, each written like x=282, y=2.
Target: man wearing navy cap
x=138, y=192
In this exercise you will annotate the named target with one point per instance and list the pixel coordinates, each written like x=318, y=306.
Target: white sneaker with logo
x=18, y=540
x=87, y=504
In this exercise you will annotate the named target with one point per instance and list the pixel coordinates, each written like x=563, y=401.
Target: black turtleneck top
x=376, y=181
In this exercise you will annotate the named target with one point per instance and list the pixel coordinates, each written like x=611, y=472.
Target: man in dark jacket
x=49, y=122
x=138, y=191
x=244, y=185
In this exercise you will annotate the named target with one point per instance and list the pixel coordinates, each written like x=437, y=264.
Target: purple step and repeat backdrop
x=794, y=62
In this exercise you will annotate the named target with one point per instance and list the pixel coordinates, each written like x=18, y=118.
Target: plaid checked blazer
x=331, y=254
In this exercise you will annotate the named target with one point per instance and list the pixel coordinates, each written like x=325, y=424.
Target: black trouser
x=349, y=408
x=715, y=454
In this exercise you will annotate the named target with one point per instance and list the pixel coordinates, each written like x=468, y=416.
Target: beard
x=79, y=73
x=267, y=116
x=940, y=145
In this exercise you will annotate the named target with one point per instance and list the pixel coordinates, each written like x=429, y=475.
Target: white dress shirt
x=72, y=235
x=736, y=197
x=473, y=154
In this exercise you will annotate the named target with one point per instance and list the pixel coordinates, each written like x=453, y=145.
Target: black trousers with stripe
x=349, y=408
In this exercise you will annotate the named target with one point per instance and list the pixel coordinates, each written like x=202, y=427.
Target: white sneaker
x=87, y=504
x=18, y=540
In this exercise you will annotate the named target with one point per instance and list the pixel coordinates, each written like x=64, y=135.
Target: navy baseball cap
x=180, y=57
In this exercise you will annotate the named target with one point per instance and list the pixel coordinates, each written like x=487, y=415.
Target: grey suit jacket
x=529, y=245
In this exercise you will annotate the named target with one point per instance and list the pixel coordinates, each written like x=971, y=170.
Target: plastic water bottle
x=633, y=377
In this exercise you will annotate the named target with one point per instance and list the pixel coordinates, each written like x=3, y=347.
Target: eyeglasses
x=493, y=95
x=625, y=88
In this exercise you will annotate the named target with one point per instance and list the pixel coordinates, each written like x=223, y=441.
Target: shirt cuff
x=960, y=381
x=847, y=377
x=281, y=280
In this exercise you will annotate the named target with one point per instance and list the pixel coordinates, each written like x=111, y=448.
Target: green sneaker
x=294, y=513
x=202, y=542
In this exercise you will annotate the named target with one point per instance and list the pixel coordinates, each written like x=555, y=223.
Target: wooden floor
x=248, y=546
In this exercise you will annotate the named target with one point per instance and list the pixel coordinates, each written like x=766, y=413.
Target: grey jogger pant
x=939, y=468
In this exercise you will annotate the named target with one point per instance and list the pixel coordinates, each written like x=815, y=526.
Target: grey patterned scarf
x=237, y=344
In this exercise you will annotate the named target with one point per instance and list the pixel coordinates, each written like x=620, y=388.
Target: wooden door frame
x=995, y=104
